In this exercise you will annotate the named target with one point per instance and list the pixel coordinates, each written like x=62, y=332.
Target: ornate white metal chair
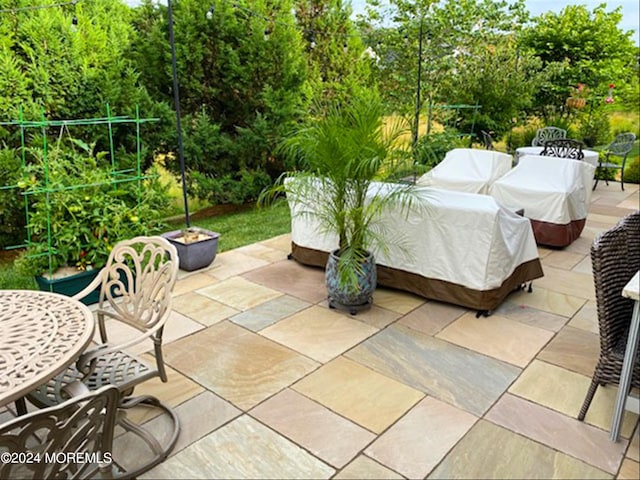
x=135, y=289
x=548, y=133
x=40, y=441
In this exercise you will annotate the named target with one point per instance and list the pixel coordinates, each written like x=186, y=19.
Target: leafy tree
x=337, y=69
x=581, y=46
x=241, y=73
x=465, y=44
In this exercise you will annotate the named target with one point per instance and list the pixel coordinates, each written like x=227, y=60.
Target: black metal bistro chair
x=563, y=148
x=620, y=147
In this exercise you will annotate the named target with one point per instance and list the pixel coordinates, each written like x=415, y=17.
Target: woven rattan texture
x=615, y=258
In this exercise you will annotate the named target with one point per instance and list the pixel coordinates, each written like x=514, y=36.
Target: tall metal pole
x=416, y=120
x=176, y=101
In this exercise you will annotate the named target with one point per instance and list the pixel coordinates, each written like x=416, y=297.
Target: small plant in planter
x=77, y=213
x=341, y=155
x=197, y=247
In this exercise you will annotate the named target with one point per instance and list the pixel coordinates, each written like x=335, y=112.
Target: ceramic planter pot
x=344, y=299
x=197, y=248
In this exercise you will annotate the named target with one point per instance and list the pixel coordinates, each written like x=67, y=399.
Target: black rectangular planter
x=195, y=255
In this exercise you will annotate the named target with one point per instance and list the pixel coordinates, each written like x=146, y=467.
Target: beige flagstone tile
x=562, y=259
x=634, y=447
x=177, y=390
x=281, y=242
x=609, y=220
x=453, y=374
x=432, y=317
x=305, y=283
x=270, y=312
x=396, y=300
x=631, y=203
x=407, y=447
x=498, y=337
x=202, y=309
x=564, y=391
x=231, y=263
x=530, y=316
x=198, y=417
x=236, y=364
x=239, y=293
x=375, y=316
x=359, y=394
x=582, y=244
x=586, y=318
x=630, y=470
x=328, y=436
x=363, y=468
x=192, y=282
x=567, y=282
x=544, y=251
x=243, y=448
x=573, y=349
x=319, y=333
x=262, y=252
x=548, y=300
x=569, y=435
x=489, y=451
x=584, y=266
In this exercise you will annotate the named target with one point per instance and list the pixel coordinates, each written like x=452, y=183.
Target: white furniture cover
x=467, y=170
x=554, y=192
x=455, y=247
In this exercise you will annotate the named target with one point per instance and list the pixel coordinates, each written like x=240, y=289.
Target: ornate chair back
x=621, y=145
x=548, y=133
x=71, y=440
x=563, y=148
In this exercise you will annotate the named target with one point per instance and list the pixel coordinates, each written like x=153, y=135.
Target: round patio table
x=590, y=156
x=41, y=333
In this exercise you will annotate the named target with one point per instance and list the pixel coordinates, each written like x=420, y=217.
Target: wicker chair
x=615, y=258
x=547, y=133
x=563, y=148
x=135, y=289
x=42, y=439
x=620, y=147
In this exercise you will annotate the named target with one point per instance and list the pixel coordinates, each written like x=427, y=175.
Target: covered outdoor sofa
x=467, y=170
x=554, y=193
x=454, y=247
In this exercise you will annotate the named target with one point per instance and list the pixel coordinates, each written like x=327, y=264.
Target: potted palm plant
x=340, y=156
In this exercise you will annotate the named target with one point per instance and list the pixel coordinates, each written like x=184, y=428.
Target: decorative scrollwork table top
x=41, y=333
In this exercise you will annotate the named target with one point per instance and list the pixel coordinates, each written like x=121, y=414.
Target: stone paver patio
x=270, y=383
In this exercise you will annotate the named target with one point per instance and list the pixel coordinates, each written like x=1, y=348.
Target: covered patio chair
x=615, y=258
x=135, y=290
x=554, y=193
x=547, y=133
x=620, y=147
x=83, y=425
x=467, y=170
x=563, y=148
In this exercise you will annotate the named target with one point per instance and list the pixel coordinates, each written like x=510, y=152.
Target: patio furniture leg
x=21, y=406
x=587, y=401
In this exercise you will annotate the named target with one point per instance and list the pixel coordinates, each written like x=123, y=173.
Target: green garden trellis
x=116, y=176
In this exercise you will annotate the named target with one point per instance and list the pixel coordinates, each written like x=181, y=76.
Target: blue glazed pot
x=353, y=301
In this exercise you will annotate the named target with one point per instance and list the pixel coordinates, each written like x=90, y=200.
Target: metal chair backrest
x=487, y=140
x=622, y=144
x=548, y=133
x=137, y=282
x=70, y=440
x=563, y=148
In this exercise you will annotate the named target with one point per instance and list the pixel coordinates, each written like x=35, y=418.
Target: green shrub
x=234, y=189
x=595, y=129
x=521, y=137
x=12, y=219
x=632, y=171
x=432, y=148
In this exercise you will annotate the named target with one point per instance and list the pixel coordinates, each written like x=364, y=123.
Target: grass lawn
x=236, y=230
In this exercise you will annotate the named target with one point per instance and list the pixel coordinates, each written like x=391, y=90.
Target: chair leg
x=587, y=400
